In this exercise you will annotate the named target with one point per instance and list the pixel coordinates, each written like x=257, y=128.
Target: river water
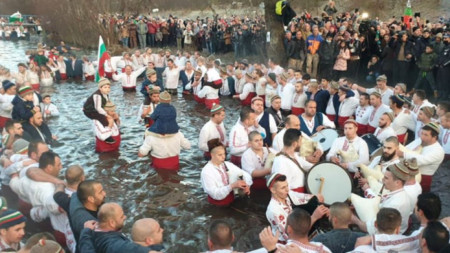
x=176, y=200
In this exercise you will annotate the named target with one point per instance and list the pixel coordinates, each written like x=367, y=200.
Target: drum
x=372, y=143
x=331, y=180
x=325, y=138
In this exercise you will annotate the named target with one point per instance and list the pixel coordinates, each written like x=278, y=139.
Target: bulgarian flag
x=101, y=58
x=407, y=15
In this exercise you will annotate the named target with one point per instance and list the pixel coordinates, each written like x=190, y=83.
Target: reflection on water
x=176, y=200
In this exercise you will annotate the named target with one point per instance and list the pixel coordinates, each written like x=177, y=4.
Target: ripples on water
x=176, y=200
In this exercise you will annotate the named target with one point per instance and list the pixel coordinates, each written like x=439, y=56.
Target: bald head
x=292, y=121
x=146, y=231
x=74, y=175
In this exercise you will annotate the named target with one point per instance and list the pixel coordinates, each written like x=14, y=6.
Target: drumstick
x=322, y=181
x=381, y=191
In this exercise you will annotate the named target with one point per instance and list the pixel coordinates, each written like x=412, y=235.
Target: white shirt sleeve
x=326, y=122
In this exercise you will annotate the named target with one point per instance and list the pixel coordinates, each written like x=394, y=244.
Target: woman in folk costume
x=220, y=178
x=107, y=139
x=211, y=85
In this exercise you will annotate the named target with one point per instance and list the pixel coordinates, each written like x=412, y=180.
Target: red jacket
x=152, y=27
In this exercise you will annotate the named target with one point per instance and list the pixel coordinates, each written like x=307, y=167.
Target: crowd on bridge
x=389, y=141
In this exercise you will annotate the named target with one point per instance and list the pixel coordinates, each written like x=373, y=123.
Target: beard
x=383, y=126
x=387, y=157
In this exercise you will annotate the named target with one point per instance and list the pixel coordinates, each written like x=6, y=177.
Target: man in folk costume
x=12, y=229
x=228, y=87
x=103, y=133
x=385, y=91
x=403, y=121
x=319, y=95
x=385, y=129
x=150, y=103
x=254, y=159
x=424, y=117
x=350, y=150
x=347, y=106
x=171, y=76
x=289, y=162
x=187, y=77
x=128, y=78
x=420, y=100
x=429, y=157
x=388, y=157
x=312, y=121
x=213, y=129
x=265, y=120
x=281, y=205
x=293, y=122
x=271, y=89
x=217, y=174
x=333, y=102
x=362, y=113
x=378, y=109
x=299, y=99
x=394, y=181
x=275, y=110
x=239, y=134
x=286, y=91
x=22, y=75
x=240, y=81
x=248, y=91
x=212, y=84
x=196, y=85
x=164, y=142
x=440, y=186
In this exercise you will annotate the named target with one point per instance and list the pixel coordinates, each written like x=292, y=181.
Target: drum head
x=372, y=142
x=325, y=138
x=337, y=185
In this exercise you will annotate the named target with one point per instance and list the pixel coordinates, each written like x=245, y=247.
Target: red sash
x=90, y=78
x=108, y=75
x=259, y=183
x=102, y=146
x=24, y=207
x=299, y=189
x=123, y=70
x=297, y=111
x=332, y=117
x=60, y=238
x=224, y=202
x=199, y=100
x=362, y=129
x=64, y=76
x=129, y=88
x=3, y=121
x=370, y=129
x=341, y=121
x=236, y=160
x=426, y=183
x=401, y=138
x=248, y=99
x=168, y=163
x=149, y=122
x=36, y=86
x=210, y=102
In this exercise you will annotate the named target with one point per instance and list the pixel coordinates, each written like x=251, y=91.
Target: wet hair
x=245, y=113
x=220, y=234
x=299, y=221
x=433, y=132
x=47, y=158
x=291, y=136
x=34, y=239
x=86, y=189
x=388, y=219
x=392, y=139
x=252, y=135
x=33, y=147
x=421, y=94
x=436, y=236
x=430, y=204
